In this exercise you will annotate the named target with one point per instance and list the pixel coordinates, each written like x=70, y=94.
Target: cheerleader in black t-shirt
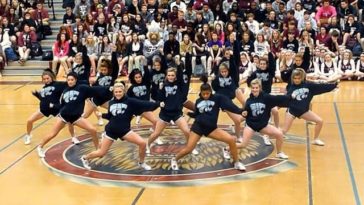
x=206, y=114
x=301, y=94
x=257, y=112
x=49, y=95
x=120, y=112
x=71, y=108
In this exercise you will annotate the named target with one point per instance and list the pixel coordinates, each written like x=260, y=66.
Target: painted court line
x=138, y=196
x=21, y=136
x=347, y=156
x=309, y=170
x=17, y=88
x=17, y=160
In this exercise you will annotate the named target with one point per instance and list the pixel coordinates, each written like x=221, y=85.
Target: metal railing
x=51, y=5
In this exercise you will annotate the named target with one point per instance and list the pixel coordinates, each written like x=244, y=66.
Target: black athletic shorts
x=48, y=112
x=170, y=116
x=98, y=101
x=202, y=130
x=116, y=134
x=296, y=112
x=257, y=127
x=69, y=118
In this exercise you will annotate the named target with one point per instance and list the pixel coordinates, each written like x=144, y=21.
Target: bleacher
x=35, y=66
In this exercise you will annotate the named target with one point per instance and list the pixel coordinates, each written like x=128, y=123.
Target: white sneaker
x=75, y=140
x=195, y=152
x=27, y=139
x=231, y=128
x=239, y=166
x=137, y=120
x=239, y=139
x=103, y=134
x=174, y=164
x=85, y=163
x=225, y=153
x=40, y=151
x=145, y=166
x=281, y=155
x=318, y=142
x=158, y=141
x=266, y=140
x=100, y=122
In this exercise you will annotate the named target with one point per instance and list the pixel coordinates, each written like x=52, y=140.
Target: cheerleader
x=244, y=67
x=157, y=76
x=82, y=66
x=207, y=108
x=328, y=70
x=49, y=96
x=171, y=94
x=186, y=74
x=227, y=83
x=266, y=73
x=301, y=94
x=346, y=65
x=359, y=73
x=71, y=109
x=120, y=113
x=257, y=112
x=108, y=72
x=140, y=89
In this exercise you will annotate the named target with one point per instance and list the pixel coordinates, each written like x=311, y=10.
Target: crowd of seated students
x=144, y=29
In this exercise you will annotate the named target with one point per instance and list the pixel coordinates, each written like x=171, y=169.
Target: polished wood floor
x=333, y=174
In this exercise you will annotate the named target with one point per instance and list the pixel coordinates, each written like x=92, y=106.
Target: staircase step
x=24, y=72
x=29, y=63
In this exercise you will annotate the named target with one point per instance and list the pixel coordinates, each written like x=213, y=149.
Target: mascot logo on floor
x=120, y=165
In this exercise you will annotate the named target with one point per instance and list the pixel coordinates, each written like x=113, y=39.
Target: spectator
x=324, y=13
x=207, y=14
x=180, y=5
x=126, y=27
x=100, y=27
x=139, y=27
x=135, y=53
x=92, y=48
x=60, y=54
x=69, y=18
x=82, y=9
x=104, y=49
x=25, y=40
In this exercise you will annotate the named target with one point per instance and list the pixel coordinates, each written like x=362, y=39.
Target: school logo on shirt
x=101, y=30
x=105, y=81
x=257, y=109
x=70, y=96
x=300, y=94
x=118, y=108
x=171, y=90
x=157, y=78
x=185, y=78
x=263, y=76
x=79, y=69
x=140, y=90
x=47, y=91
x=225, y=81
x=205, y=106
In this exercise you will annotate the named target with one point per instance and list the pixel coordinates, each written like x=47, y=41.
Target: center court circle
x=119, y=167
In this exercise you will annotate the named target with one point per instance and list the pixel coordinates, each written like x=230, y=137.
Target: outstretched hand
x=36, y=94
